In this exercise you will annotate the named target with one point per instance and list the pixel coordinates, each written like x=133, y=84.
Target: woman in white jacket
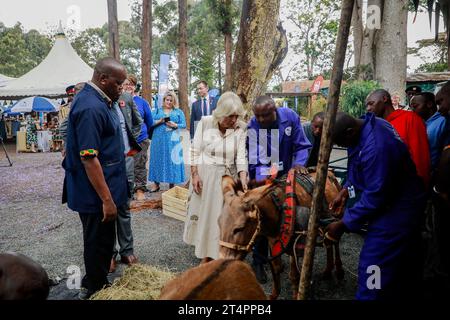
x=218, y=149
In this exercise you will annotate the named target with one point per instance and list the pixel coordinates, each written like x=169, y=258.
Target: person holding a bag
x=166, y=152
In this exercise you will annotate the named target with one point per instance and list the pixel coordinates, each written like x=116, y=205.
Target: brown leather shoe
x=129, y=260
x=113, y=265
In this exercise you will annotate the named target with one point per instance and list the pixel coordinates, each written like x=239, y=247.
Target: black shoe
x=260, y=273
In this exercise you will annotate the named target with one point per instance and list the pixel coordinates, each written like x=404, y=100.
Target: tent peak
x=60, y=31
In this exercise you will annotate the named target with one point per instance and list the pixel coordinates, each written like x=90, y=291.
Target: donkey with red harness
x=276, y=210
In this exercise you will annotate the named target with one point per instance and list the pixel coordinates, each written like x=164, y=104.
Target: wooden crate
x=21, y=141
x=174, y=203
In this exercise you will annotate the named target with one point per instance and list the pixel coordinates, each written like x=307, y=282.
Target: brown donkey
x=259, y=212
x=216, y=280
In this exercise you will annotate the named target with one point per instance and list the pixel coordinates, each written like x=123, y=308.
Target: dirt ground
x=35, y=223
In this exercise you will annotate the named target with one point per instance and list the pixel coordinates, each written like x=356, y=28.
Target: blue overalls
x=392, y=199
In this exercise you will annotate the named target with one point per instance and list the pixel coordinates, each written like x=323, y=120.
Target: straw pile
x=138, y=282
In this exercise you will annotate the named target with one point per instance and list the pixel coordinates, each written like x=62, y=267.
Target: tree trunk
x=261, y=47
x=183, y=60
x=366, y=66
x=219, y=65
x=448, y=56
x=146, y=54
x=228, y=58
x=448, y=41
x=113, y=27
x=325, y=147
x=358, y=30
x=391, y=63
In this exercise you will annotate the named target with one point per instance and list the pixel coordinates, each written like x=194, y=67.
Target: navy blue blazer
x=196, y=112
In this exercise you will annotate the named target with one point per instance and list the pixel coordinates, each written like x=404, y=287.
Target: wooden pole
x=183, y=60
x=113, y=27
x=325, y=146
x=146, y=51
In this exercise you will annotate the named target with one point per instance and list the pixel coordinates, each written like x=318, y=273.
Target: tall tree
x=381, y=47
x=434, y=54
x=146, y=51
x=19, y=51
x=225, y=13
x=183, y=58
x=440, y=6
x=261, y=47
x=391, y=53
x=113, y=25
x=316, y=25
x=365, y=37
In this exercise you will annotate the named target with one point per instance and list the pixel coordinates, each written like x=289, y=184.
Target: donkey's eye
x=237, y=230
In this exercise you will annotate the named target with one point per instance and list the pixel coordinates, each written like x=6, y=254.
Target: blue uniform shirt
x=381, y=170
x=438, y=131
x=292, y=148
x=93, y=130
x=392, y=199
x=146, y=114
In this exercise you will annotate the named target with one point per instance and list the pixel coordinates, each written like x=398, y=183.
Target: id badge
x=351, y=192
x=264, y=171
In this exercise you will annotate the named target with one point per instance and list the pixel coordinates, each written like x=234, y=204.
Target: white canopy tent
x=4, y=80
x=61, y=68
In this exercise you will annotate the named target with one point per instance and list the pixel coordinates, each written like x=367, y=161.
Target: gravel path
x=35, y=223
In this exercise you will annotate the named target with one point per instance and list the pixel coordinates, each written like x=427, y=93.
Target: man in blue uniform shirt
x=95, y=181
x=275, y=138
x=388, y=195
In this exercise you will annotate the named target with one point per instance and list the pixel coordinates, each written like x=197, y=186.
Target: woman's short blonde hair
x=174, y=98
x=228, y=104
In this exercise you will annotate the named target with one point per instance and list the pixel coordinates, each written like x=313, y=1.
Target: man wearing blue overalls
x=95, y=182
x=275, y=138
x=386, y=193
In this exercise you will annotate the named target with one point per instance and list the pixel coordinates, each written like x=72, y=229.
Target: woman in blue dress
x=166, y=152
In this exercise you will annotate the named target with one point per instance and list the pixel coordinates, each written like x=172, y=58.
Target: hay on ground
x=138, y=282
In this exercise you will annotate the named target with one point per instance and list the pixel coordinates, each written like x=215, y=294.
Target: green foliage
x=205, y=38
x=433, y=67
x=90, y=44
x=433, y=53
x=354, y=94
x=318, y=105
x=314, y=39
x=20, y=51
x=226, y=14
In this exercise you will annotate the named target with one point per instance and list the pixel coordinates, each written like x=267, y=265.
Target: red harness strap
x=287, y=228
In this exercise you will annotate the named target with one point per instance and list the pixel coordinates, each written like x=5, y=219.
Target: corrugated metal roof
x=428, y=77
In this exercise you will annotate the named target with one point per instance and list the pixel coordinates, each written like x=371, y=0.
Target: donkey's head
x=240, y=219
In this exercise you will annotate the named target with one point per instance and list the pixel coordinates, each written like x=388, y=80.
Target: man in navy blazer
x=204, y=106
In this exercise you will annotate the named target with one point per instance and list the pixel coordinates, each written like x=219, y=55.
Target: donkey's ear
x=254, y=195
x=228, y=185
x=228, y=189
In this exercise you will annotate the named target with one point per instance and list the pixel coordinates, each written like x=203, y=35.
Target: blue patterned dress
x=166, y=151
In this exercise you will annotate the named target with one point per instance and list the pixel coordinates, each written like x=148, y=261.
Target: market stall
x=36, y=132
